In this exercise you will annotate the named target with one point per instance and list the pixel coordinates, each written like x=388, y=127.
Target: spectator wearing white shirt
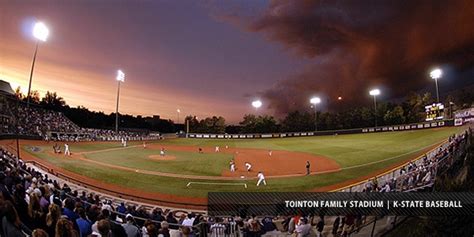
x=189, y=221
x=303, y=228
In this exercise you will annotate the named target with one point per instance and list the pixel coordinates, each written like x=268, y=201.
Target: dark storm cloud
x=354, y=45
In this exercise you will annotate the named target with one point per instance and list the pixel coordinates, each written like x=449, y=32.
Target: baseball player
x=270, y=152
x=248, y=166
x=232, y=166
x=308, y=167
x=123, y=141
x=217, y=149
x=261, y=178
x=144, y=145
x=162, y=152
x=66, y=150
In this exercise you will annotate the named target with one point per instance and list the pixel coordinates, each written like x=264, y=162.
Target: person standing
x=308, y=167
x=66, y=149
x=261, y=179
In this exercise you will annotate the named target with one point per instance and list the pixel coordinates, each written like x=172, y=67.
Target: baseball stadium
x=112, y=157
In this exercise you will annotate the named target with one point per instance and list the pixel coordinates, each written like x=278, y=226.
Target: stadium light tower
x=257, y=104
x=178, y=111
x=314, y=101
x=40, y=32
x=375, y=93
x=435, y=74
x=120, y=78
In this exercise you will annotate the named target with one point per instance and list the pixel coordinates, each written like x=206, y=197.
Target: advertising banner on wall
x=463, y=116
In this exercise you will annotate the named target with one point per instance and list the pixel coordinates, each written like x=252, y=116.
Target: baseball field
x=183, y=173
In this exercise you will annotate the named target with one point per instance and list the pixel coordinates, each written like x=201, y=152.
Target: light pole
x=120, y=78
x=178, y=111
x=256, y=104
x=40, y=32
x=314, y=101
x=435, y=74
x=375, y=93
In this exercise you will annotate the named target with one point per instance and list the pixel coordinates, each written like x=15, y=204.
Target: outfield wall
x=404, y=127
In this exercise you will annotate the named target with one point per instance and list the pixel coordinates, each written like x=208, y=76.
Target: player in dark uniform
x=308, y=168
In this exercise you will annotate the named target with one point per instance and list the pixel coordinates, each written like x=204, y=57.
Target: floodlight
x=315, y=100
x=436, y=73
x=40, y=31
x=120, y=76
x=374, y=92
x=257, y=104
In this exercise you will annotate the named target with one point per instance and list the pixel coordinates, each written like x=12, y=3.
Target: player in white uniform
x=270, y=152
x=232, y=166
x=248, y=166
x=217, y=149
x=162, y=152
x=66, y=150
x=261, y=178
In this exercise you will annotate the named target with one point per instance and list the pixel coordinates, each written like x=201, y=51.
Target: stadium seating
x=18, y=118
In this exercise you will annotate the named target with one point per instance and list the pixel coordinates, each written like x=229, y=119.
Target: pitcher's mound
x=165, y=157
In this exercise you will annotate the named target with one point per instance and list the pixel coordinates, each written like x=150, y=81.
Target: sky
x=214, y=57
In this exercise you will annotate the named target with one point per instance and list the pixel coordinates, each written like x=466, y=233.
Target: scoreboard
x=434, y=111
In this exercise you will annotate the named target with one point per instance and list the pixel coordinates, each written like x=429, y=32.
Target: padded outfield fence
x=402, y=127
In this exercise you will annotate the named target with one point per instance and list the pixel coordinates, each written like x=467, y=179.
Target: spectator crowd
x=53, y=125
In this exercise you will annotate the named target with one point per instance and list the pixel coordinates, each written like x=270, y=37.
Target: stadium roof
x=6, y=88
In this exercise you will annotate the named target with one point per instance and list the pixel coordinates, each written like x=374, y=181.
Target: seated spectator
x=185, y=231
x=303, y=228
x=268, y=225
x=52, y=218
x=65, y=228
x=130, y=228
x=164, y=230
x=35, y=213
x=151, y=230
x=84, y=225
x=103, y=228
x=68, y=210
x=172, y=221
x=122, y=209
x=217, y=229
x=39, y=233
x=12, y=226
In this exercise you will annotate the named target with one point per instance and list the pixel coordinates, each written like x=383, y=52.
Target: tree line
x=410, y=110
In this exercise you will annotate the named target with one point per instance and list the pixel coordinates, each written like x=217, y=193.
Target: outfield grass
x=350, y=151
